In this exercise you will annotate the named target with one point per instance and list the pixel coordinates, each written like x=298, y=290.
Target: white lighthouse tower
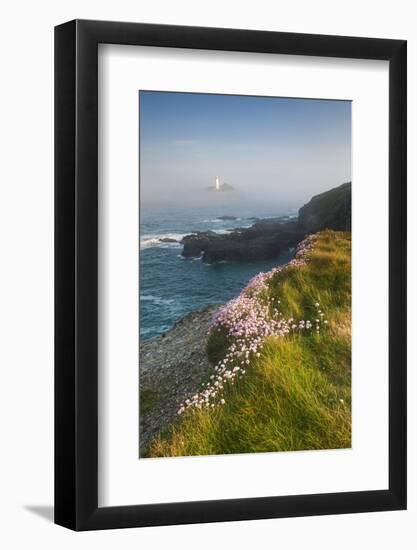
x=217, y=184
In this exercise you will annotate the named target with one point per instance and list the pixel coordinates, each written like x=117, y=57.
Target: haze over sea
x=171, y=286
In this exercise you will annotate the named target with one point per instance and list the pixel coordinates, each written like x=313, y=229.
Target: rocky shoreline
x=266, y=239
x=172, y=367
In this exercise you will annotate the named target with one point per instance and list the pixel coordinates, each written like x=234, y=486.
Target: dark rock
x=251, y=250
x=329, y=210
x=264, y=240
x=195, y=244
x=167, y=240
x=226, y=218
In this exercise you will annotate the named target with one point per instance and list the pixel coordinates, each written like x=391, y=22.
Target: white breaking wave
x=153, y=241
x=217, y=220
x=214, y=220
x=156, y=300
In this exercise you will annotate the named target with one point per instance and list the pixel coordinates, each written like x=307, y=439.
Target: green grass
x=148, y=399
x=297, y=394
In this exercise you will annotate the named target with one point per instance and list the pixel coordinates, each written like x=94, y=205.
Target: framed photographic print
x=230, y=234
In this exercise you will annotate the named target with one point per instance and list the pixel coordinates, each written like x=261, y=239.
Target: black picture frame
x=76, y=272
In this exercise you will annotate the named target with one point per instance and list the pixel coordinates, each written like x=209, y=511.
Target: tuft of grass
x=216, y=346
x=297, y=394
x=147, y=401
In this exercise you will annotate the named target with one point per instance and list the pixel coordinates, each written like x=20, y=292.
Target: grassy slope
x=297, y=395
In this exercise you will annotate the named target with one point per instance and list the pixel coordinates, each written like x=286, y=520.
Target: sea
x=172, y=286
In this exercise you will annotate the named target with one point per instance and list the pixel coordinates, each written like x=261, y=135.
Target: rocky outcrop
x=242, y=250
x=267, y=238
x=264, y=240
x=197, y=243
x=171, y=368
x=167, y=240
x=329, y=210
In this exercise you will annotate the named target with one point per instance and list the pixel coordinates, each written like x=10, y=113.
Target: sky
x=266, y=148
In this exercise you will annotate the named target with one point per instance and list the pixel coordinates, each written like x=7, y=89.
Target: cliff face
x=329, y=210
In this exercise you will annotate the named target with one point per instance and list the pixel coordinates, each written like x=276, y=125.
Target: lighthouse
x=220, y=187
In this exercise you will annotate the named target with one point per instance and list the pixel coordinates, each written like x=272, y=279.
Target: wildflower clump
x=246, y=322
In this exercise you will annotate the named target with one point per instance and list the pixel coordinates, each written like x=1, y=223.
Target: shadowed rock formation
x=329, y=210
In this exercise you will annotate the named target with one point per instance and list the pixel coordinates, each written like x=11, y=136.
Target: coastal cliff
x=329, y=210
x=271, y=370
x=268, y=238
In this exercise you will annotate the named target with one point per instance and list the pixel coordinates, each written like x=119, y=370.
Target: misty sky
x=267, y=148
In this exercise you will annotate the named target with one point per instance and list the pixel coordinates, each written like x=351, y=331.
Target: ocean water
x=171, y=286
